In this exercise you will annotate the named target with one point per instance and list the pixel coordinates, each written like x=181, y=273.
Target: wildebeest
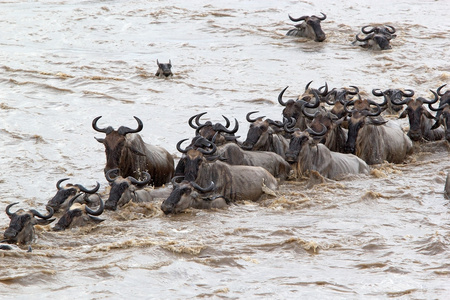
x=21, y=226
x=66, y=193
x=443, y=112
x=309, y=28
x=233, y=182
x=124, y=190
x=393, y=96
x=374, y=140
x=232, y=154
x=220, y=133
x=294, y=108
x=189, y=194
x=164, y=70
x=307, y=155
x=265, y=135
x=447, y=187
x=377, y=37
x=79, y=215
x=420, y=119
x=126, y=151
x=335, y=136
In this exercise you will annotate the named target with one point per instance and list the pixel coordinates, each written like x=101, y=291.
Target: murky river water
x=63, y=63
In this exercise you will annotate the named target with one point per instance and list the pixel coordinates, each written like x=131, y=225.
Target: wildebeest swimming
x=372, y=139
x=65, y=194
x=420, y=119
x=189, y=194
x=307, y=155
x=79, y=215
x=309, y=28
x=231, y=181
x=443, y=111
x=377, y=37
x=126, y=151
x=21, y=225
x=164, y=69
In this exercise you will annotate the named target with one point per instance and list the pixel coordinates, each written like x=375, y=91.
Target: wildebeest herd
x=334, y=132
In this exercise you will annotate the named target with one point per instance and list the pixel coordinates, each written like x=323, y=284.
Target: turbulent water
x=63, y=63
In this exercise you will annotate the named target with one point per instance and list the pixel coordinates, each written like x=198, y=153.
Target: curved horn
x=321, y=18
x=377, y=92
x=138, y=182
x=85, y=190
x=379, y=110
x=315, y=104
x=72, y=201
x=390, y=29
x=125, y=130
x=384, y=103
x=179, y=146
x=426, y=101
x=97, y=212
x=174, y=180
x=58, y=184
x=8, y=207
x=222, y=128
x=208, y=152
x=204, y=190
x=364, y=39
x=363, y=29
x=247, y=117
x=307, y=85
x=439, y=90
x=353, y=92
x=280, y=97
x=439, y=109
x=107, y=174
x=347, y=104
x=227, y=122
x=106, y=130
x=38, y=214
x=196, y=117
x=407, y=93
x=325, y=90
x=321, y=133
x=297, y=19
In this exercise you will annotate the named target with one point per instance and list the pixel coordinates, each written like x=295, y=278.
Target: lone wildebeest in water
x=164, y=70
x=309, y=28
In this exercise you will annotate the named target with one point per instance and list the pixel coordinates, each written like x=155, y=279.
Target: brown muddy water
x=63, y=63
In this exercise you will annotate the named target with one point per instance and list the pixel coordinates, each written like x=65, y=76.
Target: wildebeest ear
x=44, y=222
x=100, y=140
x=136, y=151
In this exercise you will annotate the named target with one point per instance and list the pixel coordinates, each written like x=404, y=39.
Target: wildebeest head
x=114, y=142
x=78, y=215
x=64, y=194
x=359, y=116
x=393, y=96
x=120, y=186
x=300, y=139
x=217, y=133
x=188, y=194
x=21, y=228
x=193, y=158
x=310, y=27
x=377, y=37
x=293, y=108
x=415, y=110
x=164, y=70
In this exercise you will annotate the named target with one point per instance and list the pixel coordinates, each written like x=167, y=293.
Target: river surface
x=63, y=63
